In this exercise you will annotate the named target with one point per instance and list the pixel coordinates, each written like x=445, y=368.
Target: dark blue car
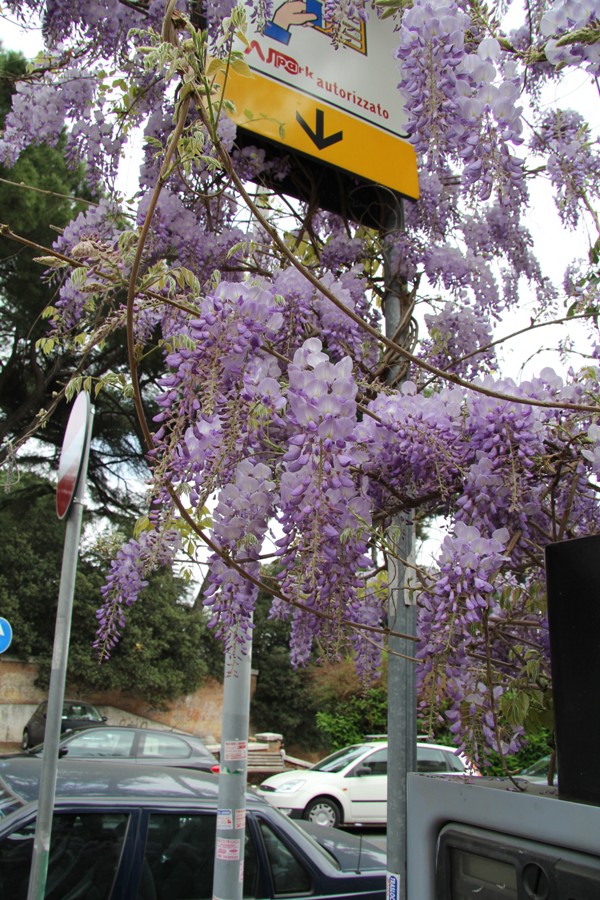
x=123, y=834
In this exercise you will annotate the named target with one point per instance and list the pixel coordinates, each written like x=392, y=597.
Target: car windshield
x=339, y=760
x=323, y=851
x=538, y=768
x=81, y=711
x=351, y=853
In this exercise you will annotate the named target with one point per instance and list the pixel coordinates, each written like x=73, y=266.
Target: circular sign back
x=71, y=456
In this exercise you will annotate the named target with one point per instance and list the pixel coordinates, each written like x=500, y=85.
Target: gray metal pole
x=402, y=706
x=58, y=674
x=231, y=817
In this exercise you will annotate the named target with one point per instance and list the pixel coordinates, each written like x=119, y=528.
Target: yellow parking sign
x=338, y=105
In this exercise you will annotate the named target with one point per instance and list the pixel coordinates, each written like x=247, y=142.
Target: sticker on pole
x=393, y=886
x=72, y=453
x=224, y=819
x=228, y=849
x=6, y=634
x=235, y=750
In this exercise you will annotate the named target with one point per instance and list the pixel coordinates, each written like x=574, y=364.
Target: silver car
x=144, y=746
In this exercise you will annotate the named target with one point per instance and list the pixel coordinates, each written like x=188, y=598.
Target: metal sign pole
x=58, y=673
x=231, y=818
x=402, y=705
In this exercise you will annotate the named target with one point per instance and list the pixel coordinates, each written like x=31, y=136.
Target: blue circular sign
x=5, y=635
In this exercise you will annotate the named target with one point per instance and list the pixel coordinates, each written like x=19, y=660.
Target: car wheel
x=323, y=811
x=26, y=742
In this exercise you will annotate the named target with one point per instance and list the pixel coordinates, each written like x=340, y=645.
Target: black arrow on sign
x=318, y=135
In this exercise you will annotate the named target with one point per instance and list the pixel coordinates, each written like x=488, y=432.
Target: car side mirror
x=364, y=770
x=62, y=751
x=105, y=718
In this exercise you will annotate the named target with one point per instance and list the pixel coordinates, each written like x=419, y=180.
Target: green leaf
x=215, y=66
x=242, y=68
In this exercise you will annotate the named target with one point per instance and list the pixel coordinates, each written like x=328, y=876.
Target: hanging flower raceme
x=240, y=522
x=91, y=238
x=412, y=444
x=431, y=51
x=325, y=514
x=461, y=106
x=459, y=341
x=559, y=21
x=217, y=378
x=573, y=161
x=127, y=578
x=462, y=597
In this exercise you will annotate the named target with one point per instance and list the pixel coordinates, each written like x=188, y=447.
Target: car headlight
x=288, y=787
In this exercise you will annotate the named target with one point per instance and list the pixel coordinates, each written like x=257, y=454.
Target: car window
x=102, y=742
x=538, y=768
x=288, y=873
x=376, y=762
x=85, y=849
x=81, y=711
x=431, y=760
x=453, y=761
x=339, y=760
x=167, y=745
x=179, y=858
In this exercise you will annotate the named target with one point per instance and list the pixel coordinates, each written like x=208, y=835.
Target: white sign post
x=72, y=472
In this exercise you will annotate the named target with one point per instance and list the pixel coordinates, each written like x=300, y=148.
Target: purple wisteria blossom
x=276, y=433
x=567, y=16
x=325, y=515
x=463, y=596
x=241, y=518
x=573, y=161
x=126, y=579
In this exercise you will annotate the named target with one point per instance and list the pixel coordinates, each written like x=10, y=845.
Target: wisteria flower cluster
x=136, y=559
x=464, y=595
x=241, y=519
x=284, y=427
x=459, y=341
x=573, y=161
x=324, y=515
x=559, y=22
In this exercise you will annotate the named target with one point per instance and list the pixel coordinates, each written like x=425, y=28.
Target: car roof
x=139, y=729
x=105, y=726
x=383, y=741
x=84, y=778
x=84, y=704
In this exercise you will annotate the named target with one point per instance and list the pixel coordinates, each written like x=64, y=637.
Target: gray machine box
x=495, y=839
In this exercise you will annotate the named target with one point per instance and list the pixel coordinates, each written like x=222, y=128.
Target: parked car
x=350, y=786
x=119, y=833
x=75, y=714
x=145, y=746
x=537, y=772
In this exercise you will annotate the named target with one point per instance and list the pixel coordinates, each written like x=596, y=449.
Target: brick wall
x=198, y=713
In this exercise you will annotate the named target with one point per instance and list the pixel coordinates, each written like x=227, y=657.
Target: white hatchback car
x=350, y=786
